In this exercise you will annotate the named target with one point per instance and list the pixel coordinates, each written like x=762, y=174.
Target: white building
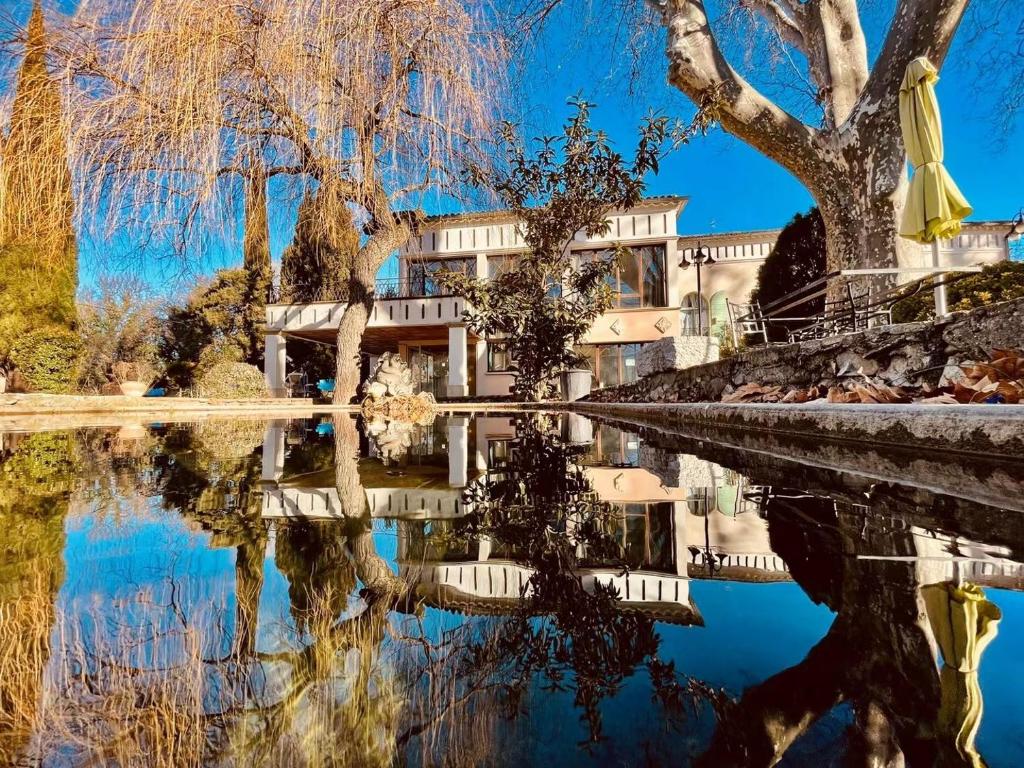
x=655, y=298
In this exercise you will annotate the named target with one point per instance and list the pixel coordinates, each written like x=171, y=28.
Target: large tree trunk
x=350, y=336
x=361, y=284
x=853, y=162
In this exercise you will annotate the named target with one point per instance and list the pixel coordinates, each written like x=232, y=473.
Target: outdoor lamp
x=1017, y=228
x=701, y=258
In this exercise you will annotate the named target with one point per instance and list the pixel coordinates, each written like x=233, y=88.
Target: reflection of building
x=654, y=298
x=676, y=515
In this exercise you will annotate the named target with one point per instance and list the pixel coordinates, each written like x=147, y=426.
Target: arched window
x=720, y=314
x=689, y=322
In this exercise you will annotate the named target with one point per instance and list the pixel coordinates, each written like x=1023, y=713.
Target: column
x=458, y=366
x=275, y=364
x=458, y=451
x=273, y=451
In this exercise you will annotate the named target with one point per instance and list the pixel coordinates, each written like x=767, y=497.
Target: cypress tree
x=38, y=254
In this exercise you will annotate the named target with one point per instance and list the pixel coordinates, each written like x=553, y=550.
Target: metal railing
x=858, y=308
x=397, y=288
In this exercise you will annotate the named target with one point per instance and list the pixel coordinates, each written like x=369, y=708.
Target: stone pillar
x=275, y=364
x=458, y=364
x=458, y=451
x=273, y=451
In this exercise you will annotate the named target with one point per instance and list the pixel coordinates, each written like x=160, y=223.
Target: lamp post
x=1017, y=227
x=701, y=258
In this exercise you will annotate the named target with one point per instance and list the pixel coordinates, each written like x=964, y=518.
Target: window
x=611, y=364
x=639, y=276
x=499, y=265
x=691, y=326
x=421, y=274
x=499, y=358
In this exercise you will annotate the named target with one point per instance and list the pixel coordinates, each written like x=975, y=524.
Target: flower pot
x=133, y=388
x=575, y=384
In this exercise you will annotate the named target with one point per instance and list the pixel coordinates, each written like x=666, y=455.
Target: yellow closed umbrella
x=935, y=207
x=964, y=623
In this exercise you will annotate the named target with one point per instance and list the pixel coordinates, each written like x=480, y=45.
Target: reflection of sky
x=752, y=632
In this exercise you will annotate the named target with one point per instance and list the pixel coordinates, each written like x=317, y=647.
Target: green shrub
x=48, y=359
x=998, y=282
x=32, y=297
x=232, y=380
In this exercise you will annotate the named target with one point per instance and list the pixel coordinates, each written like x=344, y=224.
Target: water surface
x=507, y=589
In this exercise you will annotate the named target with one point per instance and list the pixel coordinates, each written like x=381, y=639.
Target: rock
x=375, y=389
x=675, y=353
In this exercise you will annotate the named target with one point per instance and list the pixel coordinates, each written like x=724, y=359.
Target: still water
x=502, y=590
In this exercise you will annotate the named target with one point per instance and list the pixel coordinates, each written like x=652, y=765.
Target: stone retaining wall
x=898, y=354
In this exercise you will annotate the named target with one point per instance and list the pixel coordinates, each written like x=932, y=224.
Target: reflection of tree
x=879, y=654
x=541, y=509
x=37, y=476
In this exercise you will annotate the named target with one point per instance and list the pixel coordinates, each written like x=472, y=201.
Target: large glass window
x=611, y=364
x=422, y=280
x=639, y=276
x=499, y=358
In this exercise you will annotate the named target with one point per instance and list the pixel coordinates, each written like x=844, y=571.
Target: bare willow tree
x=372, y=104
x=843, y=142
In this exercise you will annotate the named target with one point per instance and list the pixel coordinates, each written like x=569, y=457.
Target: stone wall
x=910, y=353
x=674, y=353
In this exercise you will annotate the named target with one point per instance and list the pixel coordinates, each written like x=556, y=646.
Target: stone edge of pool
x=990, y=430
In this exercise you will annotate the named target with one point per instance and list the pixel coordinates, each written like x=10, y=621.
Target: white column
x=458, y=451
x=274, y=364
x=458, y=366
x=682, y=551
x=273, y=451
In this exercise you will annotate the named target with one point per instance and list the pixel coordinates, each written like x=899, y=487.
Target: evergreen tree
x=255, y=261
x=38, y=255
x=316, y=265
x=797, y=259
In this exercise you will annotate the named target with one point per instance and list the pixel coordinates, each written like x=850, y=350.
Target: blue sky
x=731, y=186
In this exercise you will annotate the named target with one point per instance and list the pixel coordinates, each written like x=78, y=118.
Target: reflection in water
x=507, y=589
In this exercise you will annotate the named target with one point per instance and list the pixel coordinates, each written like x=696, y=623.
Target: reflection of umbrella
x=935, y=206
x=964, y=623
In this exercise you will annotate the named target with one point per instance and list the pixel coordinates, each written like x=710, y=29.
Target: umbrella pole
x=941, y=305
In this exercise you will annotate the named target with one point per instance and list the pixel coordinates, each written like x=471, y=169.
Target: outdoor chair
x=746, y=320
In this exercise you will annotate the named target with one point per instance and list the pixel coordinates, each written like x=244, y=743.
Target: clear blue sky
x=731, y=187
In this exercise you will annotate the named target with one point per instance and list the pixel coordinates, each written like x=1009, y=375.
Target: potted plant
x=133, y=377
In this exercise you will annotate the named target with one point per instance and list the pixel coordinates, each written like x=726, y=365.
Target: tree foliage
x=997, y=282
x=796, y=260
x=219, y=321
x=31, y=298
x=47, y=359
x=569, y=184
x=317, y=264
x=38, y=256
x=118, y=324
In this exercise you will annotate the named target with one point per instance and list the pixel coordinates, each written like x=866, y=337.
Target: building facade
x=655, y=297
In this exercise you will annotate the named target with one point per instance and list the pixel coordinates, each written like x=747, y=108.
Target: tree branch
x=699, y=69
x=919, y=28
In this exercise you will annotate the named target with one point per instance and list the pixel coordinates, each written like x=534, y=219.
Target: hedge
x=997, y=282
x=48, y=359
x=232, y=381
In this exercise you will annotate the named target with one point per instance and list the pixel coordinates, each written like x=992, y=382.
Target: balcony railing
x=397, y=288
